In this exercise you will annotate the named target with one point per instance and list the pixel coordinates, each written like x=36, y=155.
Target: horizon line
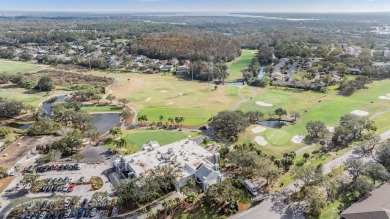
x=195, y=11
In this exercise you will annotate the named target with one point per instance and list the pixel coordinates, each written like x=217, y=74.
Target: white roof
x=186, y=154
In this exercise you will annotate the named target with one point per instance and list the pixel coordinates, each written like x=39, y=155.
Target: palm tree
x=152, y=214
x=166, y=204
x=192, y=198
x=161, y=118
x=170, y=120
x=115, y=131
x=142, y=118
x=120, y=143
x=177, y=121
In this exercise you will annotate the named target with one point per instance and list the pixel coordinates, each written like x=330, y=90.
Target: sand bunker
x=360, y=113
x=330, y=129
x=170, y=103
x=258, y=129
x=261, y=103
x=261, y=141
x=387, y=97
x=163, y=91
x=298, y=139
x=147, y=100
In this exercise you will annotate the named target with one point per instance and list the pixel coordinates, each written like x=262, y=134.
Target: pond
x=19, y=125
x=105, y=121
x=261, y=72
x=47, y=105
x=277, y=124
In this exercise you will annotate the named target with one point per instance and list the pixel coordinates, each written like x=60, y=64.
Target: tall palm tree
x=170, y=119
x=161, y=118
x=166, y=204
x=115, y=131
x=120, y=143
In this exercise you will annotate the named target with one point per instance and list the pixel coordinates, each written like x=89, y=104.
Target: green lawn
x=92, y=109
x=233, y=91
x=383, y=122
x=13, y=67
x=241, y=63
x=138, y=137
x=192, y=116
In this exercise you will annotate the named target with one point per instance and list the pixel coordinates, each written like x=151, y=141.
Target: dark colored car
x=80, y=213
x=84, y=203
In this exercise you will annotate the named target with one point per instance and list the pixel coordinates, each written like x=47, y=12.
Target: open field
x=13, y=67
x=15, y=151
x=241, y=63
x=327, y=108
x=138, y=137
x=155, y=95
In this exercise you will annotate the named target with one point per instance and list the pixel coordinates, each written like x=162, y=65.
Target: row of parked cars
x=57, y=167
x=53, y=181
x=80, y=213
x=60, y=188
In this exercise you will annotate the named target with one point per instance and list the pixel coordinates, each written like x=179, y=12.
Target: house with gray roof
x=376, y=205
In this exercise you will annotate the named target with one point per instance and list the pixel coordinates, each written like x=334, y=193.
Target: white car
x=42, y=215
x=71, y=179
x=93, y=212
x=65, y=188
x=66, y=203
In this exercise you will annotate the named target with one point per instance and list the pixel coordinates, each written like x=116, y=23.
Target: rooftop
x=186, y=153
x=375, y=205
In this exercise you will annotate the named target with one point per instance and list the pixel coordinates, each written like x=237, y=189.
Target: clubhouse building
x=194, y=161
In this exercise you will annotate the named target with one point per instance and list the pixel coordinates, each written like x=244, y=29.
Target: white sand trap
x=258, y=129
x=170, y=103
x=163, y=91
x=261, y=103
x=360, y=113
x=298, y=139
x=147, y=100
x=261, y=141
x=387, y=97
x=181, y=94
x=330, y=129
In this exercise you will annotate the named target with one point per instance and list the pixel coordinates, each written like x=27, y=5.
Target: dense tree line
x=193, y=45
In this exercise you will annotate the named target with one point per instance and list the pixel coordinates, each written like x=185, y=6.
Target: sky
x=198, y=5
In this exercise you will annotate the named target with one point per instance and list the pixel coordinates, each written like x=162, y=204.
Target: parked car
x=76, y=166
x=73, y=213
x=93, y=212
x=250, y=187
x=55, y=180
x=59, y=188
x=67, y=213
x=71, y=179
x=56, y=167
x=84, y=203
x=82, y=179
x=80, y=213
x=86, y=213
x=66, y=203
x=30, y=206
x=66, y=179
x=71, y=187
x=65, y=188
x=43, y=215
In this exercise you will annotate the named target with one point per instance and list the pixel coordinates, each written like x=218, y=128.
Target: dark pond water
x=47, y=106
x=19, y=125
x=277, y=124
x=105, y=121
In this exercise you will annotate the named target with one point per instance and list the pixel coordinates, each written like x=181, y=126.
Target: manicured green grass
x=233, y=91
x=241, y=63
x=383, y=122
x=138, y=137
x=277, y=137
x=13, y=67
x=246, y=92
x=102, y=108
x=192, y=116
